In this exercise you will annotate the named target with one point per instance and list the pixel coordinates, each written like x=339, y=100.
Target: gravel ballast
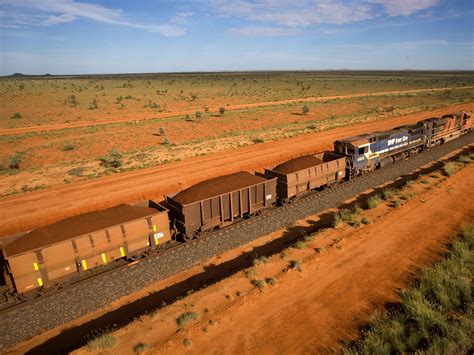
x=88, y=296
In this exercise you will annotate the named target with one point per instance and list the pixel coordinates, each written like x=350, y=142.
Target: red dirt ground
x=128, y=118
x=32, y=210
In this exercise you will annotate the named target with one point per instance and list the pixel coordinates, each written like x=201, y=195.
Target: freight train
x=49, y=257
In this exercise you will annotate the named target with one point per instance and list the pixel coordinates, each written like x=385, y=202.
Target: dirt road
x=55, y=127
x=31, y=210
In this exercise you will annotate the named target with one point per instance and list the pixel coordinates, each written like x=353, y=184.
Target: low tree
x=305, y=109
x=114, y=159
x=198, y=115
x=15, y=160
x=161, y=131
x=221, y=110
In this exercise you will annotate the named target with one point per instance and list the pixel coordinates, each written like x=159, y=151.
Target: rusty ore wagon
x=47, y=255
x=218, y=202
x=300, y=175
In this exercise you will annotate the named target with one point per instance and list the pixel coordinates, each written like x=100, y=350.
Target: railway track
x=24, y=320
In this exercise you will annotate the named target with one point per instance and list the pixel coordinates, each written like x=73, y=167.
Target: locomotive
x=63, y=252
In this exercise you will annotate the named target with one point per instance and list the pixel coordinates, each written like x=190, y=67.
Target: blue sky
x=79, y=37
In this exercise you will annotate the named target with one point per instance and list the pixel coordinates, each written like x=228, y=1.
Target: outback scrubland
x=204, y=113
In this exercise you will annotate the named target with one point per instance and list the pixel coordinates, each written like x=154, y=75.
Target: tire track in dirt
x=56, y=127
x=32, y=210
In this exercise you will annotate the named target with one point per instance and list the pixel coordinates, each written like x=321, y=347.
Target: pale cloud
x=404, y=7
x=54, y=12
x=55, y=20
x=304, y=13
x=264, y=31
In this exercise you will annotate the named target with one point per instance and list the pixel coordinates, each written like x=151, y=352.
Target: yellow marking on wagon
x=84, y=264
x=104, y=258
x=35, y=265
x=154, y=228
x=40, y=281
x=122, y=251
x=156, y=239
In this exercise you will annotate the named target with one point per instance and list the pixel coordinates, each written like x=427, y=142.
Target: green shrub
x=113, y=160
x=250, y=273
x=16, y=115
x=389, y=193
x=68, y=147
x=464, y=159
x=449, y=168
x=299, y=245
x=295, y=264
x=374, y=201
x=365, y=220
x=257, y=140
x=260, y=284
x=336, y=220
x=185, y=318
x=221, y=111
x=271, y=281
x=140, y=347
x=198, y=115
x=305, y=109
x=102, y=341
x=397, y=203
x=15, y=160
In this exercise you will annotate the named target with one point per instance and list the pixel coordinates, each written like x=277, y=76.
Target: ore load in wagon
x=218, y=202
x=297, y=176
x=74, y=245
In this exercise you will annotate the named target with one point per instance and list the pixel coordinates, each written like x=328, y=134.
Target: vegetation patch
x=374, y=201
x=140, y=347
x=186, y=318
x=101, y=341
x=435, y=314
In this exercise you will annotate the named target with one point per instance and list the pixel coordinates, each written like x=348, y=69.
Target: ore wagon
x=49, y=255
x=219, y=202
x=300, y=175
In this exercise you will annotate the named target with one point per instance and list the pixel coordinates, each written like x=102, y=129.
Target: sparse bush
x=140, y=347
x=336, y=220
x=305, y=109
x=260, y=284
x=449, y=168
x=296, y=264
x=198, y=115
x=72, y=100
x=76, y=171
x=186, y=318
x=166, y=142
x=318, y=250
x=206, y=109
x=397, y=203
x=389, y=193
x=365, y=220
x=187, y=342
x=410, y=183
x=161, y=131
x=374, y=201
x=464, y=159
x=68, y=147
x=193, y=97
x=271, y=281
x=102, y=341
x=257, y=140
x=94, y=105
x=15, y=160
x=16, y=115
x=113, y=160
x=250, y=273
x=299, y=245
x=424, y=181
x=312, y=127
x=261, y=260
x=221, y=110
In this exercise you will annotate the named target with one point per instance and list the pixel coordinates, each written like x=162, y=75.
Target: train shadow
x=76, y=337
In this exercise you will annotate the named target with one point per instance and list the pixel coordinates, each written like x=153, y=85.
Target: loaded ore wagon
x=48, y=255
x=218, y=202
x=300, y=175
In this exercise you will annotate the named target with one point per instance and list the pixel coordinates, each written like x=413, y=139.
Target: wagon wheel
x=187, y=237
